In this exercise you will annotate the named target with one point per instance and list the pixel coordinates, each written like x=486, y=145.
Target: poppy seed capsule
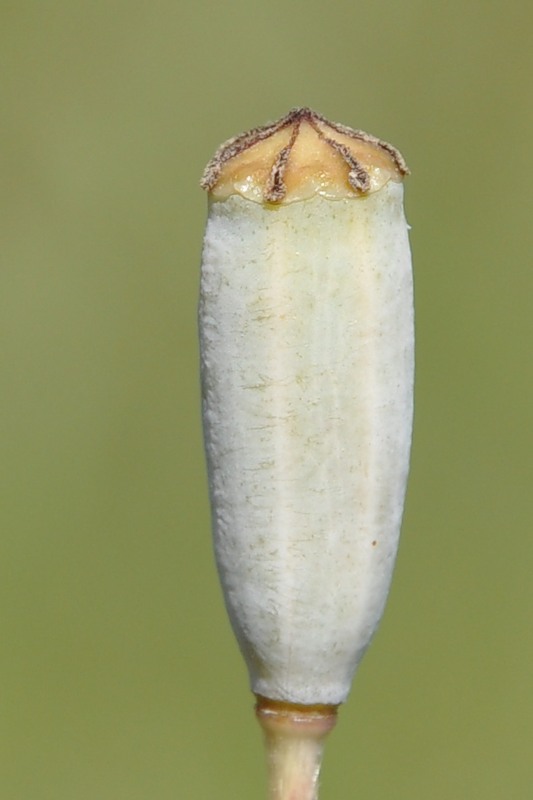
x=306, y=329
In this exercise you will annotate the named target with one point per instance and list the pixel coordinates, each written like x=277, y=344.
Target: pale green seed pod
x=306, y=326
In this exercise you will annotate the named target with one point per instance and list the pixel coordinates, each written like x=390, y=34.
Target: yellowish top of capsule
x=301, y=155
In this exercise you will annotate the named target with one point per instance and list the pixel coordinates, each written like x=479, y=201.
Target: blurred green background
x=119, y=676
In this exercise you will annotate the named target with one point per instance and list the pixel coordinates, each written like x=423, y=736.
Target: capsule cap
x=301, y=155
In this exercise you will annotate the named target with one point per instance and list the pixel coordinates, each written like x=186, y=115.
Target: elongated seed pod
x=306, y=327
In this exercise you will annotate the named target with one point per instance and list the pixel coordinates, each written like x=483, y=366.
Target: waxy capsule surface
x=306, y=328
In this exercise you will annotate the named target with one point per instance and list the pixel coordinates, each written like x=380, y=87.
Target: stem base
x=294, y=742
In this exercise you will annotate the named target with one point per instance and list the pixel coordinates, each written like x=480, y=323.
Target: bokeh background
x=119, y=676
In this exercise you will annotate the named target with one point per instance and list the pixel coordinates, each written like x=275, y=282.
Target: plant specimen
x=306, y=328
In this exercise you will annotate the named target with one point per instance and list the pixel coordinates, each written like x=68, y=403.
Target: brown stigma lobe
x=301, y=155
